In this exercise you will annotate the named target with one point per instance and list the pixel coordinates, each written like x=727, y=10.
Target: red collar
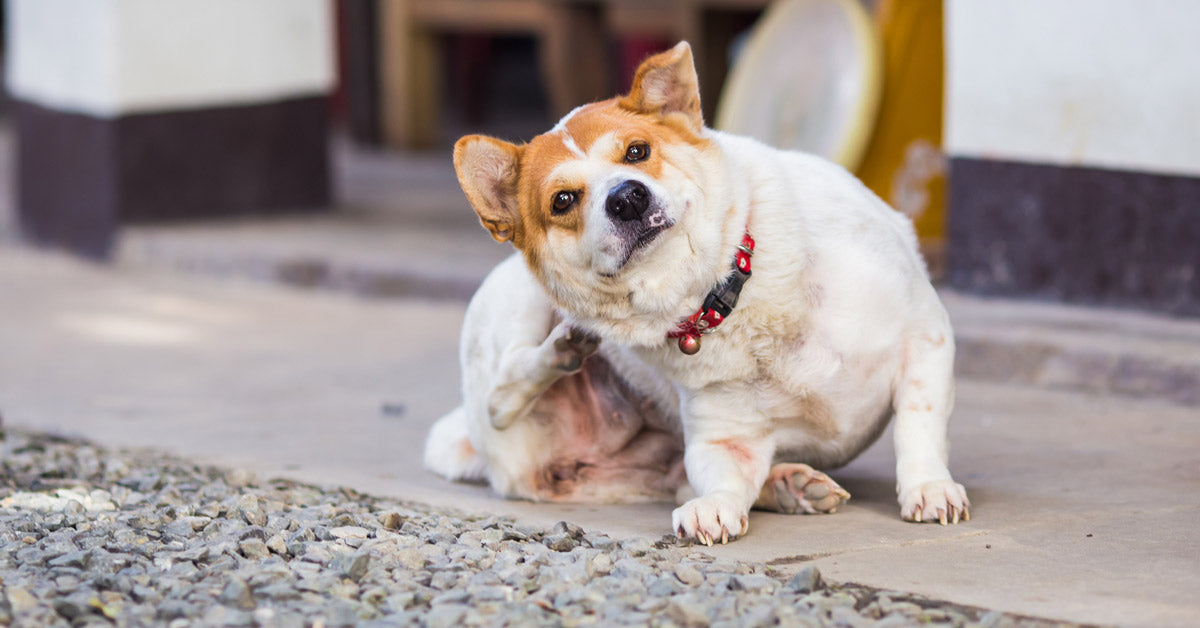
x=718, y=304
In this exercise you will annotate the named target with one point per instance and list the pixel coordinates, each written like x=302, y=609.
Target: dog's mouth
x=647, y=236
x=643, y=240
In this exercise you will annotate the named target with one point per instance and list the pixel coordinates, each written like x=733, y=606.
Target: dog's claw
x=955, y=519
x=745, y=526
x=917, y=515
x=724, y=536
x=941, y=516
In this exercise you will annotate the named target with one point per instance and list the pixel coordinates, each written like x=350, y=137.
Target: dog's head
x=600, y=205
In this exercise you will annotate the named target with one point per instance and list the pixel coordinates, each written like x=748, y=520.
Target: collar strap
x=719, y=302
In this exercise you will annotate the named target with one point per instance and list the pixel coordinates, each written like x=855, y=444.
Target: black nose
x=628, y=201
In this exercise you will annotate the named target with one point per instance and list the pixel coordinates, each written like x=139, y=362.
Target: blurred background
x=1045, y=149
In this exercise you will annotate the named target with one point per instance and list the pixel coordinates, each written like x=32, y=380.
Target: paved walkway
x=1076, y=431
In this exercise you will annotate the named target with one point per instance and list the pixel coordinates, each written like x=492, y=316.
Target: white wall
x=111, y=57
x=1105, y=83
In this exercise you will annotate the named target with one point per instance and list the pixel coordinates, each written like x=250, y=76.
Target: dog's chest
x=796, y=381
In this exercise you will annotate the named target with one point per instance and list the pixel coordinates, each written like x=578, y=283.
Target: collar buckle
x=719, y=302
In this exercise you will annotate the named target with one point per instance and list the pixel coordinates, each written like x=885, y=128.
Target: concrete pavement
x=1086, y=505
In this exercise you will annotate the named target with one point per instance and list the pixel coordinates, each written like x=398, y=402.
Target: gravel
x=90, y=537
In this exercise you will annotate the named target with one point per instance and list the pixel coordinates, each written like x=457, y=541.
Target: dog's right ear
x=487, y=171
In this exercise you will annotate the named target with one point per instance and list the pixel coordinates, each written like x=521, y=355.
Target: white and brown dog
x=636, y=226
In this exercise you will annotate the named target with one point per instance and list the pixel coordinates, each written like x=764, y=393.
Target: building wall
x=1073, y=130
x=1106, y=83
x=113, y=57
x=146, y=110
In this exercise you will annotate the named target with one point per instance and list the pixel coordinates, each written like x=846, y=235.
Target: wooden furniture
x=573, y=46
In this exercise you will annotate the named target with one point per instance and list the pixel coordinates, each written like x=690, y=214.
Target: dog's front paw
x=943, y=501
x=572, y=346
x=714, y=517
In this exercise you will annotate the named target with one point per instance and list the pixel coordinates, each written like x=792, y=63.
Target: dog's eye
x=637, y=151
x=563, y=201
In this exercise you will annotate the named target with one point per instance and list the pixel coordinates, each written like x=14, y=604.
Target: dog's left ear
x=666, y=85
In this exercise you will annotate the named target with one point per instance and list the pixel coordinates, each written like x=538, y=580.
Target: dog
x=690, y=309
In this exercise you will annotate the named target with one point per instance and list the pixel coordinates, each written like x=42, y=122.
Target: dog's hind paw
x=572, y=346
x=943, y=501
x=716, y=517
x=448, y=450
x=798, y=488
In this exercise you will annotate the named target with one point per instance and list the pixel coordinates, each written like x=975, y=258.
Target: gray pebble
x=599, y=541
x=72, y=607
x=444, y=580
x=410, y=559
x=637, y=547
x=687, y=610
x=172, y=609
x=560, y=542
x=277, y=544
x=254, y=549
x=753, y=583
x=279, y=591
x=663, y=587
x=315, y=552
x=847, y=616
x=253, y=532
x=79, y=559
x=249, y=508
x=349, y=532
x=445, y=616
x=353, y=566
x=238, y=595
x=392, y=521
x=688, y=574
x=807, y=580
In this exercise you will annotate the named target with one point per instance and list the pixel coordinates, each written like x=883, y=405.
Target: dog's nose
x=628, y=201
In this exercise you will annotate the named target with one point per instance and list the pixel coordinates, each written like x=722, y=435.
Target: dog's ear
x=666, y=84
x=487, y=171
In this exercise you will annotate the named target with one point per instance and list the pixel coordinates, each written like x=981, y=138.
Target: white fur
x=837, y=330
x=508, y=360
x=504, y=336
x=839, y=310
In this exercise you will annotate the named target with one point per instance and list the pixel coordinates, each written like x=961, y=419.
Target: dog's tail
x=448, y=449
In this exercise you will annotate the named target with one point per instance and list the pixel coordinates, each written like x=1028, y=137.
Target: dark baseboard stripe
x=1081, y=235
x=79, y=177
x=66, y=179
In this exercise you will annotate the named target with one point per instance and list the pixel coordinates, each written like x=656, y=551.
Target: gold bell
x=689, y=344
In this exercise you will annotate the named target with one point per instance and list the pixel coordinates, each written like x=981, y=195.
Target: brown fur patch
x=739, y=450
x=545, y=153
x=817, y=418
